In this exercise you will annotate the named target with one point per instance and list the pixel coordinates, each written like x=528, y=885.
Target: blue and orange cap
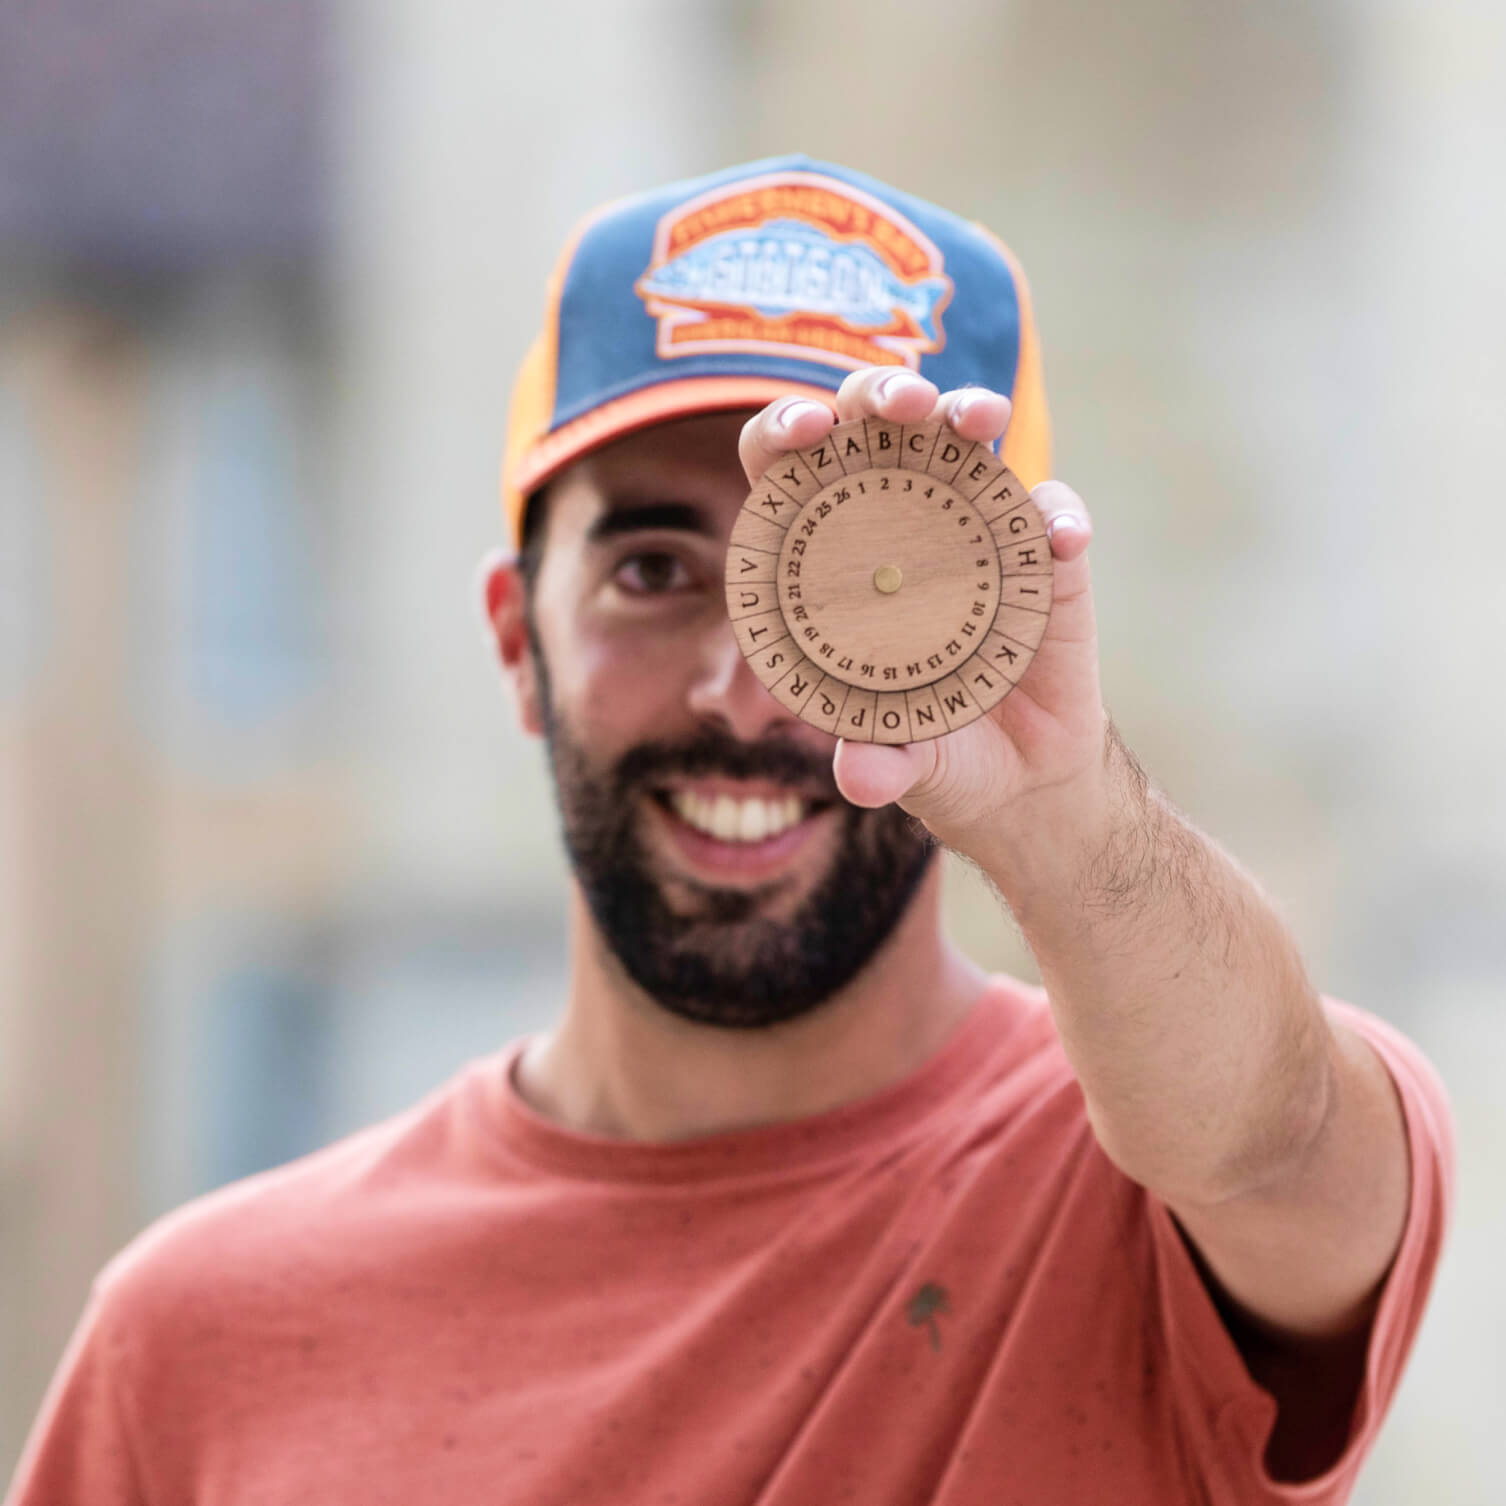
x=774, y=278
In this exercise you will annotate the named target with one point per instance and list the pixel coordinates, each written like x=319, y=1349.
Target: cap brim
x=639, y=410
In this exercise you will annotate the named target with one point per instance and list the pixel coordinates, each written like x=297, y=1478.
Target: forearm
x=1178, y=991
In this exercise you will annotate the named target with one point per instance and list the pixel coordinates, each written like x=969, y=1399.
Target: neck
x=620, y=1065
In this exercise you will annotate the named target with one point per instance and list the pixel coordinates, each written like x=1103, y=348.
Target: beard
x=719, y=958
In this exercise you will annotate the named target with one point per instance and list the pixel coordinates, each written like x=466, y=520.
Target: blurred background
x=274, y=859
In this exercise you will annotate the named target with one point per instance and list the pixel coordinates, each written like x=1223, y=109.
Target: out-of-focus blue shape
x=264, y=1070
x=161, y=134
x=252, y=634
x=25, y=596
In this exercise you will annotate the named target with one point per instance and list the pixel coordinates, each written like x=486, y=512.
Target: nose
x=724, y=690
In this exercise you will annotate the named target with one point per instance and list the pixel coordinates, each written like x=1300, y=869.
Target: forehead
x=688, y=460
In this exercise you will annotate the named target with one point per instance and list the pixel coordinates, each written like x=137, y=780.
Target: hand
x=1046, y=734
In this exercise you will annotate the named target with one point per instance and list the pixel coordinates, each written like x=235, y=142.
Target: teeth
x=730, y=820
x=724, y=818
x=752, y=821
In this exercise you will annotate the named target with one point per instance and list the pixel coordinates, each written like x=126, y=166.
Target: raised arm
x=1211, y=1072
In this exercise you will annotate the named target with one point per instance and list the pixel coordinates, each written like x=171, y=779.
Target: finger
x=873, y=774
x=1068, y=523
x=1070, y=530
x=788, y=423
x=891, y=392
x=976, y=413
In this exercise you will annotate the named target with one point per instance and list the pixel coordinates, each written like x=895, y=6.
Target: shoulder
x=1024, y=1066
x=1432, y=1160
x=288, y=1236
x=1423, y=1097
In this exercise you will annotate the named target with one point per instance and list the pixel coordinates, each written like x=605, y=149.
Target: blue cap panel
x=760, y=270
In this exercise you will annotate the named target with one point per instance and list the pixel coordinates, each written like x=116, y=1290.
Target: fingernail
x=1065, y=520
x=896, y=382
x=960, y=410
x=793, y=411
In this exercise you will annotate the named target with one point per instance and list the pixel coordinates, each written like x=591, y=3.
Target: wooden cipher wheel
x=891, y=583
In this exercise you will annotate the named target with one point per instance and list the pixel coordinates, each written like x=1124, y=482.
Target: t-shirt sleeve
x=1228, y=1417
x=80, y=1452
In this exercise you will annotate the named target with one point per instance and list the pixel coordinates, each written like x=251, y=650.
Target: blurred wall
x=273, y=859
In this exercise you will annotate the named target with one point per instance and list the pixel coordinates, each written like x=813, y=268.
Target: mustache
x=714, y=752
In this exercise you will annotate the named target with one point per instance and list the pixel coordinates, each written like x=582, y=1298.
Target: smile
x=729, y=819
x=724, y=833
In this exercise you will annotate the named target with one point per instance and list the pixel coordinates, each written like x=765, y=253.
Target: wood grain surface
x=891, y=583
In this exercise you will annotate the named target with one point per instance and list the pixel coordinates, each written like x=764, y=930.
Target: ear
x=500, y=597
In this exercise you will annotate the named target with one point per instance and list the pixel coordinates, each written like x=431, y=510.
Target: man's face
x=724, y=871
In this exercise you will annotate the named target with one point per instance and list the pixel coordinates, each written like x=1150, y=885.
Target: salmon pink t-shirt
x=941, y=1295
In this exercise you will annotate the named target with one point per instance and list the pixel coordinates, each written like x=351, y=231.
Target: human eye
x=650, y=572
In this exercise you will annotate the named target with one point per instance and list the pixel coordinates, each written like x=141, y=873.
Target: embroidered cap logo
x=795, y=264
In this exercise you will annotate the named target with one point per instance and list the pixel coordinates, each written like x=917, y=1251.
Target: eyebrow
x=635, y=516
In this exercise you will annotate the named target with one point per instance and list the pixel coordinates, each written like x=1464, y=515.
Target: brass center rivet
x=887, y=578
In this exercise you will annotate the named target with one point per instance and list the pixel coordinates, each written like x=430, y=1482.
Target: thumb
x=871, y=774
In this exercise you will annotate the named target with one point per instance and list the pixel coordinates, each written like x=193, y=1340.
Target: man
x=794, y=1204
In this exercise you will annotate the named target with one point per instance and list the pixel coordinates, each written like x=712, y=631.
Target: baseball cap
x=773, y=278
